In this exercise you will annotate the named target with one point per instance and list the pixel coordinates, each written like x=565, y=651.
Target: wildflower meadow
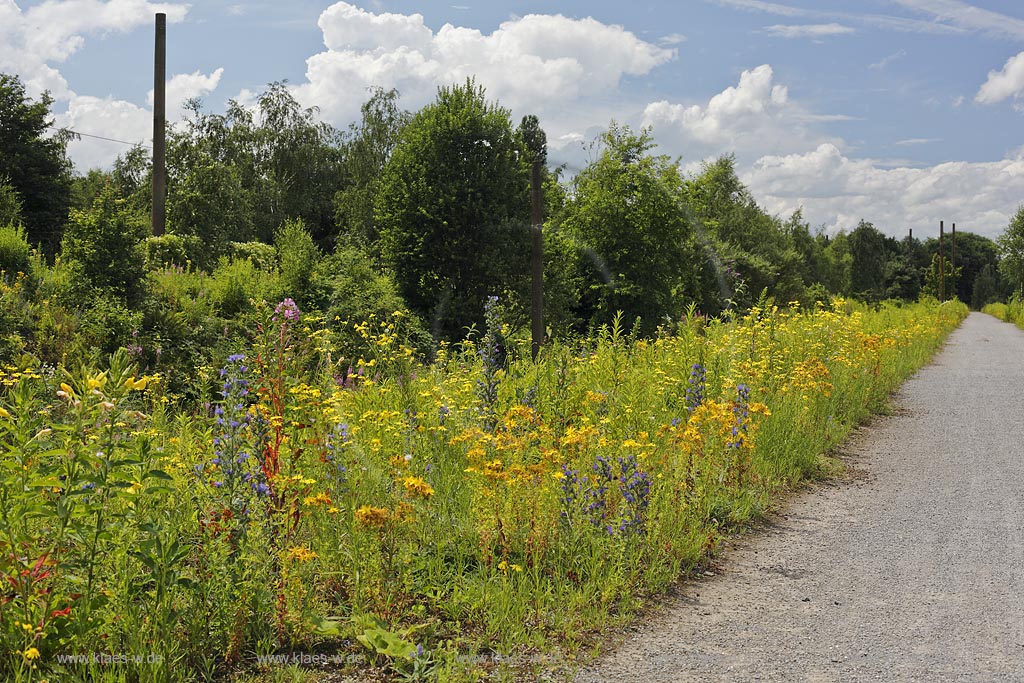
x=465, y=519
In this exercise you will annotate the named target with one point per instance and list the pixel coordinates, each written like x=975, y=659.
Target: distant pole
x=537, y=258
x=942, y=265
x=911, y=233
x=159, y=127
x=952, y=263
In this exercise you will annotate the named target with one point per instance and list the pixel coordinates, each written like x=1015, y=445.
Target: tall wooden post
x=942, y=264
x=159, y=127
x=952, y=263
x=537, y=258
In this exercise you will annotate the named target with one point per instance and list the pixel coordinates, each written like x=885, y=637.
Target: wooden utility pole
x=942, y=265
x=952, y=263
x=537, y=258
x=159, y=127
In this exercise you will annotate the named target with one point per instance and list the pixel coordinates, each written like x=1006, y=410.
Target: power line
x=100, y=137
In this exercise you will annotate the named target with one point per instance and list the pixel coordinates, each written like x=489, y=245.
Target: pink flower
x=288, y=309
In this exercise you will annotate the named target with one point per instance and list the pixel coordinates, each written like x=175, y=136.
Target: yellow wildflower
x=137, y=384
x=300, y=553
x=319, y=499
x=30, y=654
x=372, y=516
x=418, y=487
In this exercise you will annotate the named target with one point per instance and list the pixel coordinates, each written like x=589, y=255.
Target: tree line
x=431, y=210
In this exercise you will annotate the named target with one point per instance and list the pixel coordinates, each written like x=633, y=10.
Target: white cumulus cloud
x=1007, y=82
x=838, y=191
x=104, y=117
x=34, y=40
x=751, y=119
x=529, y=64
x=183, y=87
x=787, y=159
x=124, y=121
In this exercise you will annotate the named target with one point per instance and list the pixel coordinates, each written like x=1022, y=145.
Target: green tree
x=838, y=263
x=453, y=209
x=105, y=245
x=972, y=253
x=811, y=259
x=85, y=188
x=746, y=248
x=240, y=175
x=625, y=209
x=986, y=288
x=1011, y=250
x=297, y=256
x=869, y=257
x=364, y=155
x=34, y=160
x=10, y=204
x=938, y=277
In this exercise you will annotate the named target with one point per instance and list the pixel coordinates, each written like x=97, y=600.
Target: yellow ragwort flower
x=418, y=487
x=372, y=516
x=319, y=499
x=300, y=553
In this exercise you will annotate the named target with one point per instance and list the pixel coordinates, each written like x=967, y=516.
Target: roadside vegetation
x=306, y=423
x=438, y=521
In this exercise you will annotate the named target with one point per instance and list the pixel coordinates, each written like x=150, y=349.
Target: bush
x=15, y=322
x=10, y=204
x=297, y=255
x=106, y=325
x=15, y=252
x=263, y=256
x=106, y=244
x=163, y=250
x=236, y=282
x=350, y=291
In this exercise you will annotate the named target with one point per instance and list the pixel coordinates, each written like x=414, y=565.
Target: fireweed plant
x=446, y=522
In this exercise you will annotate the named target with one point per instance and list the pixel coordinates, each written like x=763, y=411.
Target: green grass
x=457, y=521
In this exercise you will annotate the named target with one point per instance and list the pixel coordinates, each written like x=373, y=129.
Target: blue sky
x=901, y=112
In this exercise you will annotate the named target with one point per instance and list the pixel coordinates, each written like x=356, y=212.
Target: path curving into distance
x=911, y=571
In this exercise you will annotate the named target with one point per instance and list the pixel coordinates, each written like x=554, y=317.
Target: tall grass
x=431, y=521
x=1012, y=312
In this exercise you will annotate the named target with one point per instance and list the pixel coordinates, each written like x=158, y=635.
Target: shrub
x=10, y=204
x=15, y=251
x=348, y=288
x=237, y=281
x=262, y=255
x=106, y=325
x=297, y=256
x=106, y=243
x=163, y=250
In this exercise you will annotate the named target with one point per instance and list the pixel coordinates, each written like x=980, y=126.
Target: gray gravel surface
x=910, y=570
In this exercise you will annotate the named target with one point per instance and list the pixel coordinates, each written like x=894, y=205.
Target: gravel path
x=911, y=571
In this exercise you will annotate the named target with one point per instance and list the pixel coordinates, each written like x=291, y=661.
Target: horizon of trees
x=434, y=205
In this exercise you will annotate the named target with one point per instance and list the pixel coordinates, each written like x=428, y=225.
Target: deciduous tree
x=33, y=159
x=453, y=208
